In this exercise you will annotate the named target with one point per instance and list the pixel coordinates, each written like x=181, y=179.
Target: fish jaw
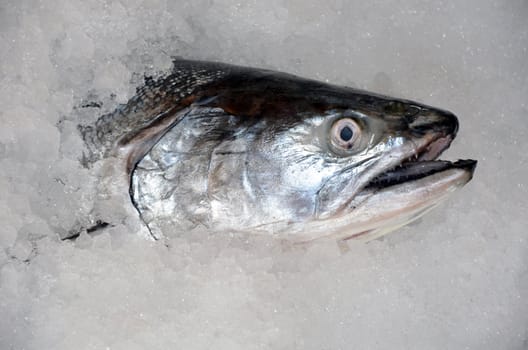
x=378, y=211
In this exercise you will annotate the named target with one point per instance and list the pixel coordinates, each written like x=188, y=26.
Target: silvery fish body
x=223, y=148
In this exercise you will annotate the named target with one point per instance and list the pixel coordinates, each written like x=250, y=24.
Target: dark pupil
x=346, y=134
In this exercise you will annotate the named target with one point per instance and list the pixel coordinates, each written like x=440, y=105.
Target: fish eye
x=344, y=134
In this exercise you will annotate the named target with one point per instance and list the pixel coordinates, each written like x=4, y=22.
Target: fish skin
x=239, y=99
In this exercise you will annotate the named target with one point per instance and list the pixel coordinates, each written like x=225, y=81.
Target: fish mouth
x=401, y=194
x=422, y=164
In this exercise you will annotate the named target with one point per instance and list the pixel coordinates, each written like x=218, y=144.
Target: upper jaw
x=433, y=149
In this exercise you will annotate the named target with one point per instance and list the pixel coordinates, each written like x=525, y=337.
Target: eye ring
x=345, y=134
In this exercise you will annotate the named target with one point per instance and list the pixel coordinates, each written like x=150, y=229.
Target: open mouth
x=422, y=164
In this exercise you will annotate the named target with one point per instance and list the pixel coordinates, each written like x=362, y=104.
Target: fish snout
x=434, y=121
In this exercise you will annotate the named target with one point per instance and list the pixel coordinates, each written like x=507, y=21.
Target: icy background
x=456, y=280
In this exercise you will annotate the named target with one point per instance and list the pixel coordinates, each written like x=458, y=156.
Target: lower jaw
x=375, y=212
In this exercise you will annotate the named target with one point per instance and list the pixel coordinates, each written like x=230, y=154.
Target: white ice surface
x=456, y=280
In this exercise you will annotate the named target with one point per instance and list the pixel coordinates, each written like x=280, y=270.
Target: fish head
x=344, y=163
x=255, y=150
